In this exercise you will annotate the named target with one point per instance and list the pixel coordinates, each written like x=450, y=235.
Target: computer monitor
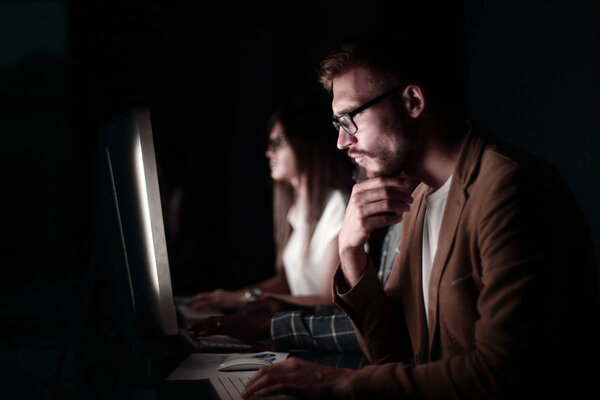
x=131, y=170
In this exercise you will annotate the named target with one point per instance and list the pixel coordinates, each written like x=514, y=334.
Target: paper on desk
x=204, y=365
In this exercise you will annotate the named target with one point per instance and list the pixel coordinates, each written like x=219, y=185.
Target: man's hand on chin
x=373, y=204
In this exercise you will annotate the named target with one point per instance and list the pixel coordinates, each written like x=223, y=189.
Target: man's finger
x=263, y=378
x=387, y=207
x=383, y=193
x=271, y=372
x=281, y=367
x=403, y=184
x=272, y=389
x=381, y=220
x=278, y=383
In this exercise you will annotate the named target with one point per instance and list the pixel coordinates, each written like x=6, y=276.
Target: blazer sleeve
x=381, y=332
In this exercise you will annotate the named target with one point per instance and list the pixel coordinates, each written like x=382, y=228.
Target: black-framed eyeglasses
x=346, y=121
x=276, y=143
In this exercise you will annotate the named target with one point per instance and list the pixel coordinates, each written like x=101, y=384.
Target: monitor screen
x=131, y=168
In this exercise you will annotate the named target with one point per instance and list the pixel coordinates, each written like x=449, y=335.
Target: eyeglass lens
x=346, y=122
x=276, y=143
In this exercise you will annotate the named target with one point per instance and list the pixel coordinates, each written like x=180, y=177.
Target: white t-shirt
x=305, y=274
x=435, y=203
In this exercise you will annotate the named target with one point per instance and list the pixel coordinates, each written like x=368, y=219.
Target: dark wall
x=533, y=78
x=41, y=190
x=211, y=78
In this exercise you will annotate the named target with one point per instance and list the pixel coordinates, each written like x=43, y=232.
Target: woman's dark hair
x=309, y=132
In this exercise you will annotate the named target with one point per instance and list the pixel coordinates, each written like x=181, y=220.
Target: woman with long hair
x=311, y=185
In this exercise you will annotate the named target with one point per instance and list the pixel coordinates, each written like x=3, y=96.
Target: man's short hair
x=369, y=51
x=396, y=58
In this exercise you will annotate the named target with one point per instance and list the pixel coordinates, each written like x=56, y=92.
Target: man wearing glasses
x=494, y=291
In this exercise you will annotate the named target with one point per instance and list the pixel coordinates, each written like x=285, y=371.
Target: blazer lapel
x=452, y=214
x=416, y=310
x=466, y=170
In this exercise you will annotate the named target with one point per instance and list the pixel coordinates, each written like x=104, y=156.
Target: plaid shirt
x=329, y=329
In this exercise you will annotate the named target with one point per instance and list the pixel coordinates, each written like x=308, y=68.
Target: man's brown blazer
x=513, y=290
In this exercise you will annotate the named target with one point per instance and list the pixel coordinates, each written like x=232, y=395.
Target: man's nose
x=345, y=140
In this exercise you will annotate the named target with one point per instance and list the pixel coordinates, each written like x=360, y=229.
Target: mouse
x=244, y=364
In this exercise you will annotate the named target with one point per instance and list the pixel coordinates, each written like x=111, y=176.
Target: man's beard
x=393, y=163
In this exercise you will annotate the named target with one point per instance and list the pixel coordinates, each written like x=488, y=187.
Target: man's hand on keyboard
x=300, y=377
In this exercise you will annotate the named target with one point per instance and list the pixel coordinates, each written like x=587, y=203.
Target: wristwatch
x=253, y=294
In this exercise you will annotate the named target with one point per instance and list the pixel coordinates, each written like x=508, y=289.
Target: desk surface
x=122, y=377
x=184, y=389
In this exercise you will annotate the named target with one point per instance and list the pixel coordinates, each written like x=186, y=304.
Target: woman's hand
x=217, y=299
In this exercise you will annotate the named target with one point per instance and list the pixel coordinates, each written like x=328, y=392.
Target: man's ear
x=413, y=98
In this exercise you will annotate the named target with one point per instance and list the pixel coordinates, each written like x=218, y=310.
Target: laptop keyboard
x=213, y=343
x=229, y=387
x=220, y=342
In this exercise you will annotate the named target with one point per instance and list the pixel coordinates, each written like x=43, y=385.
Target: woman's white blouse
x=304, y=272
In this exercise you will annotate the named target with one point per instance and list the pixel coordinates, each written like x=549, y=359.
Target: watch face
x=252, y=295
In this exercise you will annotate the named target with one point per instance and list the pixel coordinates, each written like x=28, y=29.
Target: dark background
x=211, y=75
